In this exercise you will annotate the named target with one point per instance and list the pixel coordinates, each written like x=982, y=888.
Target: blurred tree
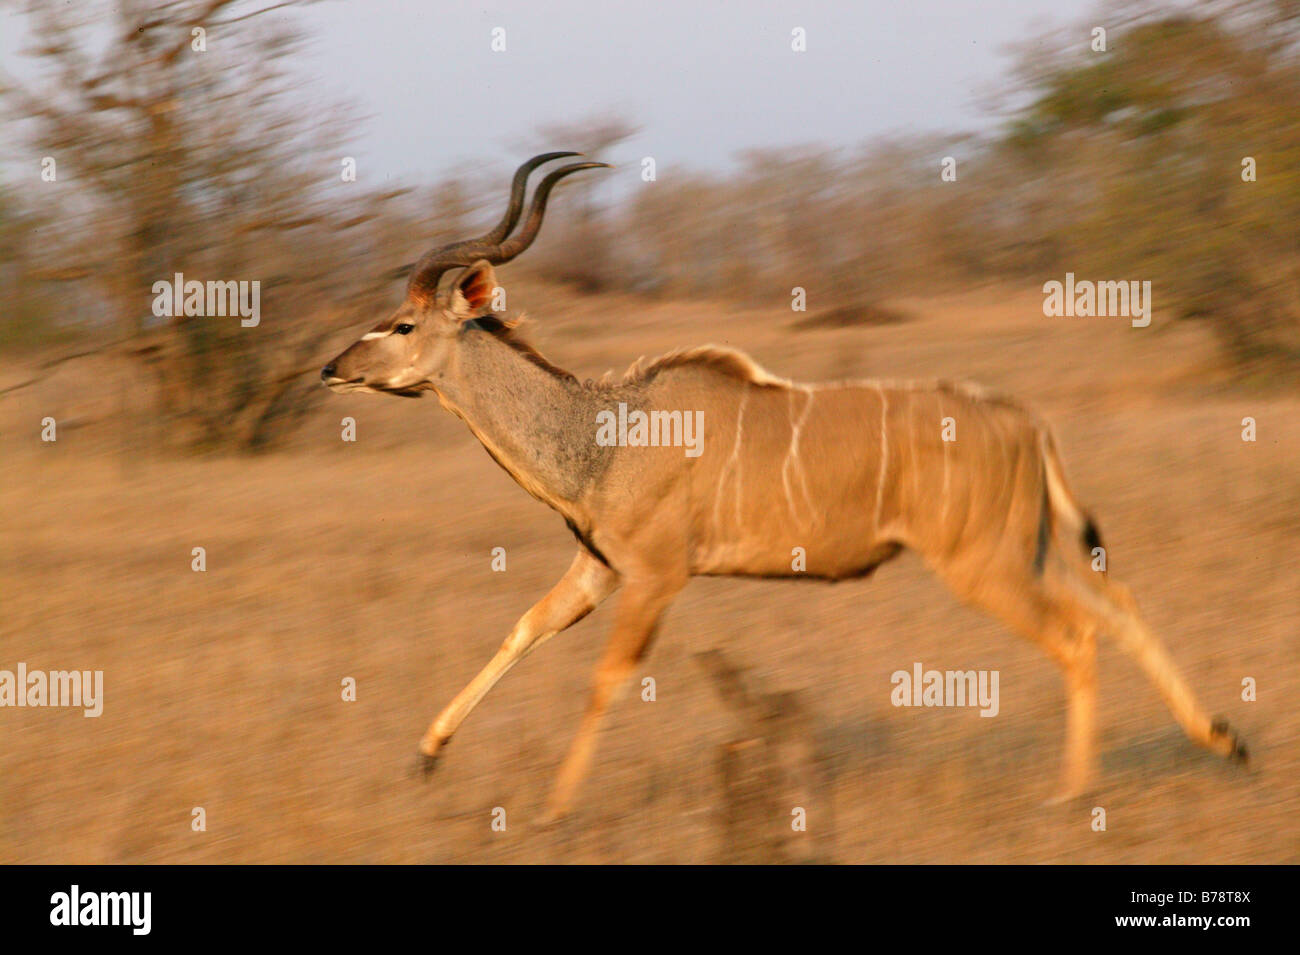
x=1143, y=148
x=171, y=159
x=28, y=301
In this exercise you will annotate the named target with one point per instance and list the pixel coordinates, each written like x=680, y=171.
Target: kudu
x=851, y=472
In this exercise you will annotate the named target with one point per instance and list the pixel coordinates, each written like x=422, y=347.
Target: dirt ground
x=372, y=560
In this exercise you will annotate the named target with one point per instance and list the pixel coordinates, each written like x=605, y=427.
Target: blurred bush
x=171, y=163
x=1124, y=164
x=1139, y=154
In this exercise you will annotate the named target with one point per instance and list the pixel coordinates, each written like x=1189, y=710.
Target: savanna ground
x=371, y=560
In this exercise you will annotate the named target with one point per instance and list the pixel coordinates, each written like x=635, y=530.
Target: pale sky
x=703, y=78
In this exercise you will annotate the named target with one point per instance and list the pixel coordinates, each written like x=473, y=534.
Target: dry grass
x=328, y=560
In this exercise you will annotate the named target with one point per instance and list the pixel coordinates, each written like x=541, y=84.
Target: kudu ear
x=473, y=290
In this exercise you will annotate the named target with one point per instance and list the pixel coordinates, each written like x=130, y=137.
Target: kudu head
x=417, y=344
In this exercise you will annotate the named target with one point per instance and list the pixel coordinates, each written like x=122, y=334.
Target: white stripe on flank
x=884, y=453
x=943, y=514
x=733, y=462
x=911, y=440
x=792, y=456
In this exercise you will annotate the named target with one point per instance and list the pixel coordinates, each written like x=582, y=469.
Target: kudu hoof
x=550, y=818
x=1233, y=745
x=423, y=766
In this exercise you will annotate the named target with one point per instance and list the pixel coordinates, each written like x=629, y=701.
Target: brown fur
x=850, y=473
x=993, y=548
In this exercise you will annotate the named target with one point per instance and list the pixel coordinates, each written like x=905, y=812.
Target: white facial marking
x=369, y=335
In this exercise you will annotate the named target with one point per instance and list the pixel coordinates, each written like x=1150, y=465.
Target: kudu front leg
x=639, y=609
x=584, y=585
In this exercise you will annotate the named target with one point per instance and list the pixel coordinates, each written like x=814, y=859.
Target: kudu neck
x=536, y=422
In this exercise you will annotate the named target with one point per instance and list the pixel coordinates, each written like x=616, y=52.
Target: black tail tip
x=1091, y=534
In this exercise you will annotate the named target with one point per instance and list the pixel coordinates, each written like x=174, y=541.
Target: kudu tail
x=1061, y=512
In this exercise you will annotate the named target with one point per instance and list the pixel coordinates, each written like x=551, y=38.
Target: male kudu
x=852, y=472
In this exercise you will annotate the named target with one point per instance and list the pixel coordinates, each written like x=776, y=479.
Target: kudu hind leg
x=584, y=585
x=1133, y=636
x=1070, y=638
x=1068, y=634
x=1075, y=649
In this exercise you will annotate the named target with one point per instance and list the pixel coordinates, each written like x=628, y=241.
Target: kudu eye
x=404, y=329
